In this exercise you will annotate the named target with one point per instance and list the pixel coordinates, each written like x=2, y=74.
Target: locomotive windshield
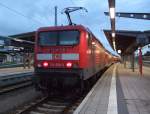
x=54, y=38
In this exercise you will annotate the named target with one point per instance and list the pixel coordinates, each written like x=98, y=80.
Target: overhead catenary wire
x=19, y=13
x=73, y=2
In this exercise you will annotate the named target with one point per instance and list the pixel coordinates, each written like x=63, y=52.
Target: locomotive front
x=57, y=57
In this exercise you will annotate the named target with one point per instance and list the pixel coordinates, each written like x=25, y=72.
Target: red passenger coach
x=67, y=56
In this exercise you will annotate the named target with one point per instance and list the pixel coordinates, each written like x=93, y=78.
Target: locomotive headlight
x=45, y=64
x=68, y=64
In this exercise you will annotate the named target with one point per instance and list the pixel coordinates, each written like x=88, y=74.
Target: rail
x=15, y=81
x=146, y=63
x=53, y=105
x=11, y=65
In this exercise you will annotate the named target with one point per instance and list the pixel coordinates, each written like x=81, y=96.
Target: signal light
x=45, y=64
x=69, y=65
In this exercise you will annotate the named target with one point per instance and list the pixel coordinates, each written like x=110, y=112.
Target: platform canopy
x=25, y=40
x=29, y=36
x=128, y=41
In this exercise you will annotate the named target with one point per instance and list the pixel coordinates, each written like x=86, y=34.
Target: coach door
x=93, y=55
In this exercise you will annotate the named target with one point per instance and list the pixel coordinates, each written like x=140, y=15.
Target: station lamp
x=93, y=43
x=119, y=51
x=112, y=12
x=113, y=34
x=114, y=45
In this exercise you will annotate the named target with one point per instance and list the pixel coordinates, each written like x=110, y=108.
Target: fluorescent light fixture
x=112, y=13
x=144, y=16
x=119, y=51
x=113, y=34
x=16, y=49
x=114, y=45
x=19, y=40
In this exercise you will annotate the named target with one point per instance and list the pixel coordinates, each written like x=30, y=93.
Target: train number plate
x=56, y=56
x=55, y=65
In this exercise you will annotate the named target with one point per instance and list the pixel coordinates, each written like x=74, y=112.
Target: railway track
x=51, y=105
x=60, y=104
x=14, y=87
x=146, y=63
x=13, y=82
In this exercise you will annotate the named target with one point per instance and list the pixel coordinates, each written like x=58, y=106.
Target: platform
x=119, y=91
x=15, y=70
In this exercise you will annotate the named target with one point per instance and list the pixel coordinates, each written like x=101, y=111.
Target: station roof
x=25, y=40
x=9, y=41
x=29, y=36
x=128, y=41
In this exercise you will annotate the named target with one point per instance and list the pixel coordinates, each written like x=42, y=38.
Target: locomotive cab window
x=48, y=38
x=54, y=38
x=68, y=37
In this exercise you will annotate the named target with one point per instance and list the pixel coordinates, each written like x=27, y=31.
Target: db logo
x=56, y=56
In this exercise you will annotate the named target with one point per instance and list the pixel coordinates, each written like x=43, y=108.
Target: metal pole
x=140, y=61
x=133, y=61
x=55, y=15
x=124, y=60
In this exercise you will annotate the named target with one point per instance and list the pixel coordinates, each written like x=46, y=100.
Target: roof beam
x=145, y=16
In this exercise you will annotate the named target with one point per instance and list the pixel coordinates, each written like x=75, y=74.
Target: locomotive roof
x=68, y=27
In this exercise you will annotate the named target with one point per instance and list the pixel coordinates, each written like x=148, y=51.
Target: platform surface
x=136, y=89
x=119, y=91
x=15, y=70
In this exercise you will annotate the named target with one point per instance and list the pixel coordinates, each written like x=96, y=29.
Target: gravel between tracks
x=11, y=100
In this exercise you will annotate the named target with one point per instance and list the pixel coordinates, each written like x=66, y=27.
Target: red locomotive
x=68, y=56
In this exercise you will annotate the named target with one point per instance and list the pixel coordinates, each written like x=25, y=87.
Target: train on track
x=68, y=56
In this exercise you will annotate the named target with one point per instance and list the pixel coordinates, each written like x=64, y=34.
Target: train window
x=53, y=38
x=48, y=38
x=68, y=37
